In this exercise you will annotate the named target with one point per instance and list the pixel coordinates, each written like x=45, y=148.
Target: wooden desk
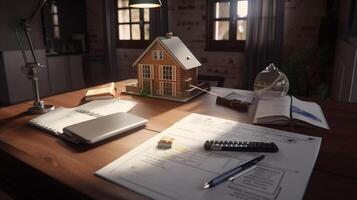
x=35, y=165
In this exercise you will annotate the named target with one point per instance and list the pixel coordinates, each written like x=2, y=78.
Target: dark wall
x=3, y=87
x=10, y=13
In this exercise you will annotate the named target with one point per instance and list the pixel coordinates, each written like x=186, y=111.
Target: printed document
x=180, y=172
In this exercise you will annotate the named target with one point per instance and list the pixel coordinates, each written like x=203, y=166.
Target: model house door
x=147, y=86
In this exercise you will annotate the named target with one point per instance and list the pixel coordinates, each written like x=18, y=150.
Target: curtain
x=264, y=39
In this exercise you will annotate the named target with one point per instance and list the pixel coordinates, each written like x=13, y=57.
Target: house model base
x=134, y=89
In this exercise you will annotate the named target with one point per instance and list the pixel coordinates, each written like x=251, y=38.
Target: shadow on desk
x=12, y=118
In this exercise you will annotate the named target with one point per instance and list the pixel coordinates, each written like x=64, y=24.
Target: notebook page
x=59, y=118
x=270, y=107
x=52, y=116
x=106, y=107
x=309, y=112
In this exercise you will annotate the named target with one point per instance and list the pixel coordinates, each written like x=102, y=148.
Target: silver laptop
x=101, y=128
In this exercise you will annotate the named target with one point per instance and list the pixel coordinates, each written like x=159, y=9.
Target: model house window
x=167, y=72
x=133, y=25
x=226, y=24
x=168, y=88
x=158, y=54
x=147, y=71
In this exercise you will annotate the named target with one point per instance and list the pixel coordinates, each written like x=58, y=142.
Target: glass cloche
x=271, y=82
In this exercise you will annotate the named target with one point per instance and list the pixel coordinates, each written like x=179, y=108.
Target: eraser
x=165, y=142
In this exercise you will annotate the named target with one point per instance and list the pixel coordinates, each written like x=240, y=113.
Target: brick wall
x=302, y=23
x=187, y=20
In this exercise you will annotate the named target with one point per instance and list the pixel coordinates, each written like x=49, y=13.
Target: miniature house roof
x=177, y=49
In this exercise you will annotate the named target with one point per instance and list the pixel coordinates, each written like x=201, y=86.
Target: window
x=158, y=54
x=146, y=71
x=133, y=25
x=167, y=88
x=226, y=25
x=55, y=21
x=167, y=72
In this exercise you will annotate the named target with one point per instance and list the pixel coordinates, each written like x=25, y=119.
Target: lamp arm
x=25, y=26
x=20, y=44
x=41, y=3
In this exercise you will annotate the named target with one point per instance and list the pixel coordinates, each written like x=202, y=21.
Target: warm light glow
x=145, y=5
x=242, y=8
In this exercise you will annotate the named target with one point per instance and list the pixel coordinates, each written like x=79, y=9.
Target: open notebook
x=61, y=117
x=286, y=109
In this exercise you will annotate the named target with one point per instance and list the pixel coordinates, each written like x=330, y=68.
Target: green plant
x=308, y=71
x=296, y=69
x=144, y=92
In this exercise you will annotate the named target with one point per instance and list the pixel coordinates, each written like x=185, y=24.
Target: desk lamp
x=38, y=106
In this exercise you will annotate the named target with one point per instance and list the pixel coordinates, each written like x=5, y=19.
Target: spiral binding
x=89, y=113
x=58, y=132
x=46, y=127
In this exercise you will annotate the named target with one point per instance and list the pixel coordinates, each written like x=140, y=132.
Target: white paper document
x=180, y=172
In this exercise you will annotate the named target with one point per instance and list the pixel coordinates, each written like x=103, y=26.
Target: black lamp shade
x=144, y=3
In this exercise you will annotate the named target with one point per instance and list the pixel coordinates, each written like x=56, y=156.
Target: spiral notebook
x=56, y=120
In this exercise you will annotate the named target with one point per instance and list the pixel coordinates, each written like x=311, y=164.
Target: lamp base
x=40, y=109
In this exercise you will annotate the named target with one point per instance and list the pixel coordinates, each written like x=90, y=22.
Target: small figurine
x=167, y=69
x=165, y=142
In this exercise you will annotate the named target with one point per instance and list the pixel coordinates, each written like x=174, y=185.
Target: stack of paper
x=180, y=172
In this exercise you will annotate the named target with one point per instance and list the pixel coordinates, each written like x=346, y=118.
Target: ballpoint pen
x=231, y=174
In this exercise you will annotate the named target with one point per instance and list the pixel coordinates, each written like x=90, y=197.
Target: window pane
x=56, y=32
x=135, y=32
x=135, y=15
x=123, y=15
x=221, y=30
x=146, y=15
x=221, y=10
x=241, y=29
x=242, y=8
x=146, y=71
x=167, y=90
x=123, y=3
x=147, y=31
x=167, y=72
x=124, y=32
x=55, y=19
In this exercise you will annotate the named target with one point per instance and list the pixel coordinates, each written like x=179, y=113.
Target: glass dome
x=271, y=82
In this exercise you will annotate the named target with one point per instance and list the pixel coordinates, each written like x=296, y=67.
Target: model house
x=166, y=69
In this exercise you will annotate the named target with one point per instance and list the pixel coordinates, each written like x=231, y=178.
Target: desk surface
x=37, y=165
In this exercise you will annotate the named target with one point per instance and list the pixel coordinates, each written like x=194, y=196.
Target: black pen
x=231, y=173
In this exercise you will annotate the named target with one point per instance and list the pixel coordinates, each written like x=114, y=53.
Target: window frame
x=172, y=91
x=146, y=71
x=232, y=44
x=162, y=72
x=158, y=54
x=143, y=72
x=142, y=43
